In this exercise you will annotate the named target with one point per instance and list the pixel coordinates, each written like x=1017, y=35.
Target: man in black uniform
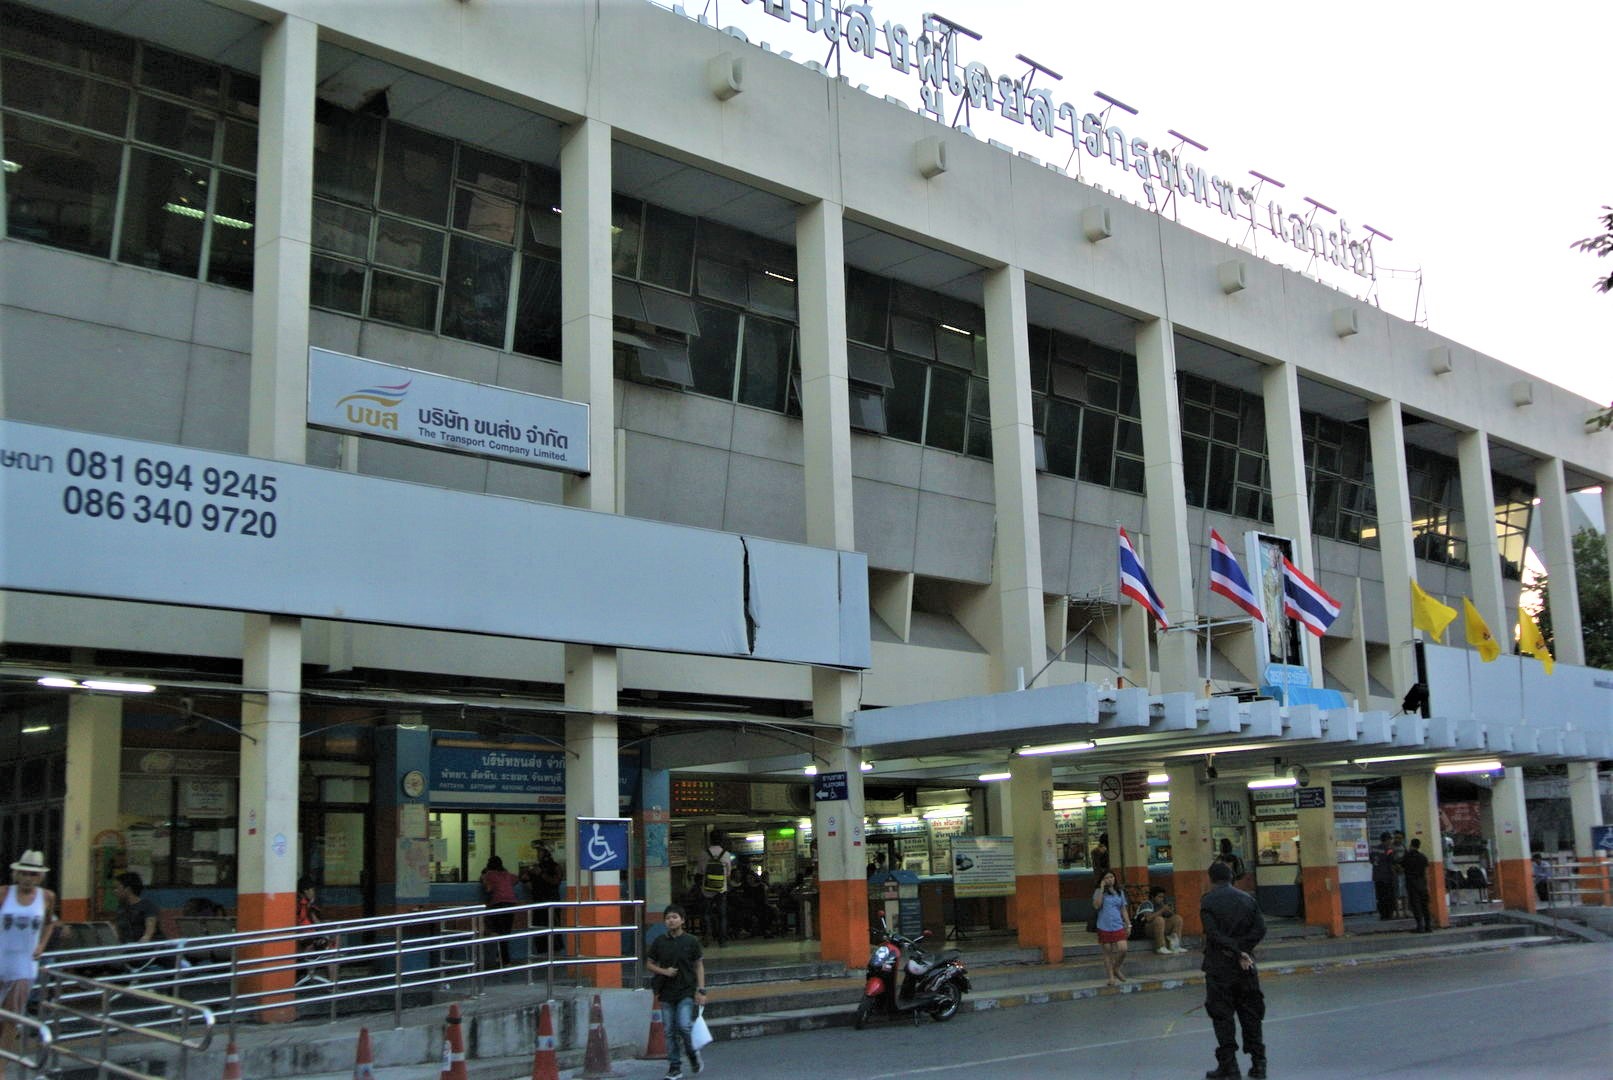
x=1232, y=929
x=1415, y=865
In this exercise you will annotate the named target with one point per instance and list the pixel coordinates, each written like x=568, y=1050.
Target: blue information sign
x=1602, y=839
x=829, y=787
x=1310, y=798
x=602, y=843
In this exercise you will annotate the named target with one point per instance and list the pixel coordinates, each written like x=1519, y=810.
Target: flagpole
x=1120, y=618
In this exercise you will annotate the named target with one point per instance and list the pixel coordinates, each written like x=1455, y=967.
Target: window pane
x=1248, y=503
x=867, y=299
x=915, y=338
x=720, y=281
x=627, y=300
x=627, y=229
x=336, y=285
x=1252, y=425
x=1226, y=428
x=1197, y=389
x=867, y=408
x=980, y=399
x=868, y=365
x=764, y=374
x=955, y=349
x=537, y=314
x=403, y=300
x=499, y=175
x=1129, y=437
x=668, y=248
x=1063, y=429
x=1223, y=471
x=477, y=294
x=713, y=350
x=174, y=127
x=979, y=438
x=1041, y=341
x=671, y=311
x=345, y=149
x=415, y=174
x=904, y=401
x=949, y=398
x=341, y=229
x=241, y=145
x=1104, y=393
x=542, y=210
x=1195, y=458
x=243, y=96
x=62, y=95
x=162, y=213
x=769, y=294
x=235, y=209
x=74, y=44
x=485, y=215
x=64, y=188
x=1129, y=474
x=180, y=75
x=1196, y=420
x=408, y=247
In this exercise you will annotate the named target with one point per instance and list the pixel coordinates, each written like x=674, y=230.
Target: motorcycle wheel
x=865, y=1008
x=951, y=1001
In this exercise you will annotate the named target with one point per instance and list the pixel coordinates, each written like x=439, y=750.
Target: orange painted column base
x=1439, y=901
x=1516, y=878
x=1131, y=875
x=1598, y=866
x=1188, y=888
x=1324, y=906
x=1035, y=903
x=268, y=911
x=843, y=921
x=600, y=944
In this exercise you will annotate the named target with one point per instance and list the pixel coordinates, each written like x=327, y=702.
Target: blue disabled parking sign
x=1602, y=839
x=602, y=843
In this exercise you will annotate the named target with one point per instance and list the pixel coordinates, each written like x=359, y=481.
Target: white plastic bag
x=699, y=1034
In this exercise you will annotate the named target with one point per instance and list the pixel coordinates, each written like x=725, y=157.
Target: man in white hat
x=26, y=915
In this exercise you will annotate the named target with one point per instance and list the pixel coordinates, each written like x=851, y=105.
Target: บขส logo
x=373, y=406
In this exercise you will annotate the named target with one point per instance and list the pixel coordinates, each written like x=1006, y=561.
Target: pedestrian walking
x=27, y=912
x=1233, y=927
x=677, y=962
x=1414, y=869
x=716, y=864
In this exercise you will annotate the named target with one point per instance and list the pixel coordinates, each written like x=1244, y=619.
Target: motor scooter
x=934, y=986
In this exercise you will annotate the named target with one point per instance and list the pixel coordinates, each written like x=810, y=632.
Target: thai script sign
x=982, y=866
x=948, y=83
x=355, y=396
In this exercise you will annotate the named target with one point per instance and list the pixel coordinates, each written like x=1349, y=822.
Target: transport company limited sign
x=355, y=396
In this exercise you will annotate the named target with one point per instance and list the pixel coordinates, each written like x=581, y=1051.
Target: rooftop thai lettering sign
x=949, y=84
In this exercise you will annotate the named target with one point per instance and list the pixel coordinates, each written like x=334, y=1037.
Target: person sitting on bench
x=1158, y=919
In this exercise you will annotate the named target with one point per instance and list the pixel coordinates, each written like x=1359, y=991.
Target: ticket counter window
x=463, y=841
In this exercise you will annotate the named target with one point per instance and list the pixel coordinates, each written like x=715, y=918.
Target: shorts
x=1109, y=937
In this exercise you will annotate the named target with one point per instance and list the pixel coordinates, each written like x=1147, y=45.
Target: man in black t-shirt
x=677, y=961
x=137, y=919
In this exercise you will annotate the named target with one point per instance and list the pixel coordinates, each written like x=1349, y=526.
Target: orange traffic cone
x=232, y=1062
x=364, y=1063
x=544, y=1065
x=453, y=1048
x=596, y=1060
x=655, y=1046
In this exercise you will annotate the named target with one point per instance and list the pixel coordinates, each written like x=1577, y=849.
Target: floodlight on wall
x=725, y=75
x=1346, y=322
x=1232, y=276
x=1096, y=224
x=1440, y=361
x=930, y=156
x=1523, y=393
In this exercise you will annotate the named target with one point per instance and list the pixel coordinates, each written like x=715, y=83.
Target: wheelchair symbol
x=599, y=850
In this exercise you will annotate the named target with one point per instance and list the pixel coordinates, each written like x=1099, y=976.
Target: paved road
x=1518, y=1013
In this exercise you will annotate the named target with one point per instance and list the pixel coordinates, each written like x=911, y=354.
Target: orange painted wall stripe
x=843, y=921
x=268, y=911
x=1517, y=882
x=1324, y=906
x=1036, y=904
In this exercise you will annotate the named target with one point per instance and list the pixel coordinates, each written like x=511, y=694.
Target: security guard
x=1232, y=928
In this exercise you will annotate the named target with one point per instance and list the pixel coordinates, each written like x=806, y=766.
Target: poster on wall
x=199, y=798
x=982, y=866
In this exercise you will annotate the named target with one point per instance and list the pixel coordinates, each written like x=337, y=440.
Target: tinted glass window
x=1063, y=429
x=949, y=398
x=477, y=291
x=415, y=174
x=336, y=285
x=341, y=229
x=904, y=401
x=174, y=127
x=181, y=76
x=714, y=351
x=668, y=258
x=408, y=301
x=235, y=210
x=64, y=95
x=408, y=247
x=485, y=215
x=537, y=315
x=1097, y=445
x=163, y=208
x=64, y=188
x=764, y=374
x=346, y=148
x=34, y=33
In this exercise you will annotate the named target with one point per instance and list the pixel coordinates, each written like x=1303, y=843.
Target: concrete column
x=90, y=806
x=842, y=856
x=1034, y=907
x=1128, y=842
x=1585, y=805
x=1192, y=814
x=1514, y=874
x=1290, y=495
x=1483, y=549
x=652, y=825
x=1319, y=865
x=1420, y=801
x=1017, y=576
x=587, y=375
x=1134, y=623
x=1167, y=561
x=1557, y=552
x=1388, y=438
x=402, y=869
x=277, y=413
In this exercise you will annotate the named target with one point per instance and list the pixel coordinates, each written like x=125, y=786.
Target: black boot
x=1257, y=1067
x=1225, y=1070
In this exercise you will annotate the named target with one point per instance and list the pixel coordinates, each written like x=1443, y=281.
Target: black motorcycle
x=928, y=985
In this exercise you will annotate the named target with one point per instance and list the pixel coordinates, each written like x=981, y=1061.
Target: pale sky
x=1476, y=136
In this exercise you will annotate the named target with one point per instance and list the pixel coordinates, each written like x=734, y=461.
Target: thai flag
x=1306, y=601
x=1135, y=584
x=1226, y=577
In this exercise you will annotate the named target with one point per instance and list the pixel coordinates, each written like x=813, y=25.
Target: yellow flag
x=1429, y=614
x=1530, y=641
x=1478, y=632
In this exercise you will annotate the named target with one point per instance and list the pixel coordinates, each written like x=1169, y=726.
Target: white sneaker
x=1165, y=950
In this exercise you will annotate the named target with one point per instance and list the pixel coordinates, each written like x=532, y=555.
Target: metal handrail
x=60, y=989
x=41, y=1035
x=244, y=974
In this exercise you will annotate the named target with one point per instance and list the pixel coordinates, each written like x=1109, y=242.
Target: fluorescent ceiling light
x=811, y=770
x=867, y=766
x=898, y=821
x=946, y=812
x=1274, y=782
x=36, y=729
x=1490, y=765
x=992, y=777
x=776, y=276
x=957, y=330
x=804, y=823
x=119, y=686
x=1055, y=748
x=1158, y=778
x=61, y=684
x=1390, y=757
x=1065, y=802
